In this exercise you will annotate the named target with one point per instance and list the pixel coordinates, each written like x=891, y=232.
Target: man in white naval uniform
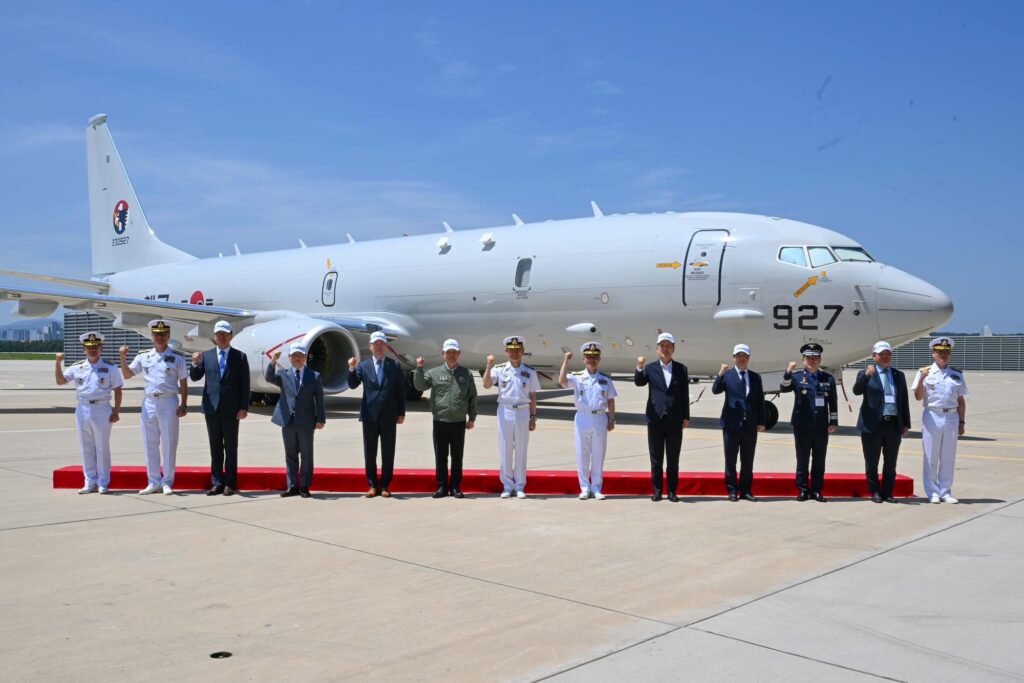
x=94, y=380
x=517, y=413
x=165, y=401
x=942, y=390
x=594, y=395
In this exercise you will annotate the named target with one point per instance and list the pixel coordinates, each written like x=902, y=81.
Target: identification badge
x=890, y=399
x=168, y=359
x=461, y=379
x=819, y=401
x=102, y=369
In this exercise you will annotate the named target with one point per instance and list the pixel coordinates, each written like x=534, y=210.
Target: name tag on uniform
x=890, y=399
x=819, y=401
x=102, y=369
x=168, y=359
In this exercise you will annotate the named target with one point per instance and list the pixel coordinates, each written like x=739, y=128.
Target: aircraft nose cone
x=909, y=307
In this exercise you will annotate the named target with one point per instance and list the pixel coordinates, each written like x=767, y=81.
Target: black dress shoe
x=215, y=491
x=673, y=498
x=304, y=492
x=293, y=491
x=733, y=497
x=749, y=496
x=802, y=496
x=441, y=492
x=228, y=491
x=890, y=499
x=656, y=496
x=876, y=497
x=818, y=497
x=457, y=493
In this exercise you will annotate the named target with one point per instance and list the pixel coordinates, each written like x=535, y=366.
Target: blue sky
x=898, y=124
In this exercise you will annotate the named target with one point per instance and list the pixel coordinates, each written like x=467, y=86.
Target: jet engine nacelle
x=329, y=346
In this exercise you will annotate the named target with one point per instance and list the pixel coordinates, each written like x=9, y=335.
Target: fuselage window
x=523, y=273
x=820, y=256
x=853, y=254
x=793, y=255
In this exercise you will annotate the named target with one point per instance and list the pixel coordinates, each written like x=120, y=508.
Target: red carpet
x=543, y=482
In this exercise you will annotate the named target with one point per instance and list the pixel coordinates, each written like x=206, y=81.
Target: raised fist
x=123, y=351
x=791, y=367
x=60, y=357
x=490, y=359
x=420, y=362
x=196, y=357
x=870, y=369
x=568, y=355
x=351, y=363
x=721, y=370
x=277, y=354
x=925, y=370
x=640, y=361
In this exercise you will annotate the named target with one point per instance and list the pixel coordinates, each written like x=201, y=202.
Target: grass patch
x=26, y=355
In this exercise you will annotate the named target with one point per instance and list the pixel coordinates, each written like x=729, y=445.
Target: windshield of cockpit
x=820, y=256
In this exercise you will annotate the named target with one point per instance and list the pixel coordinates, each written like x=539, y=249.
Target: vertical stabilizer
x=121, y=236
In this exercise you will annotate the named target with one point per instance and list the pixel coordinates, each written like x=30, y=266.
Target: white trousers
x=938, y=436
x=93, y=420
x=159, y=419
x=591, y=446
x=513, y=438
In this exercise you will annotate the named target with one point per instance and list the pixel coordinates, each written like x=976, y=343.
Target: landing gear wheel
x=771, y=415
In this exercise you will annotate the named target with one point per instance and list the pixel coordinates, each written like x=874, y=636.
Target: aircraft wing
x=91, y=285
x=134, y=312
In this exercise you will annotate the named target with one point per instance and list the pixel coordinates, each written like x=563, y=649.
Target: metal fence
x=77, y=323
x=972, y=352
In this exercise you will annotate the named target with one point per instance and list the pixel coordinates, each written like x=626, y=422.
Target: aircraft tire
x=771, y=415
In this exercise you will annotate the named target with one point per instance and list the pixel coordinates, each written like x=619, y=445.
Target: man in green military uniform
x=453, y=404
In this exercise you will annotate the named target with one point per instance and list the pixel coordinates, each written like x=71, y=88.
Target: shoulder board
x=524, y=366
x=957, y=371
x=501, y=365
x=577, y=374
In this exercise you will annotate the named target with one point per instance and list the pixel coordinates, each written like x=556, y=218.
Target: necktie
x=743, y=376
x=380, y=372
x=223, y=361
x=298, y=380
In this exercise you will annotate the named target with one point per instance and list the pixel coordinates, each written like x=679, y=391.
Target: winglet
x=301, y=243
x=238, y=252
x=598, y=213
x=351, y=240
x=447, y=228
x=517, y=219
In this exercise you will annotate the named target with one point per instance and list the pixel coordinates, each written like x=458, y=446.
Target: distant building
x=971, y=352
x=33, y=330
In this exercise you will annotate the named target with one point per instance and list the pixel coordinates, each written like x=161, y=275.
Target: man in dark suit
x=668, y=412
x=381, y=410
x=884, y=419
x=225, y=402
x=299, y=412
x=815, y=416
x=742, y=418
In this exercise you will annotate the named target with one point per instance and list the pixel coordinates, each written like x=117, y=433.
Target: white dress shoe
x=935, y=498
x=599, y=496
x=104, y=490
x=584, y=495
x=88, y=488
x=152, y=488
x=948, y=498
x=506, y=494
x=520, y=494
x=168, y=490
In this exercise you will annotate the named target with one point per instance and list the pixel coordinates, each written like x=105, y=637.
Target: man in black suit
x=299, y=411
x=668, y=412
x=225, y=402
x=381, y=410
x=884, y=419
x=742, y=418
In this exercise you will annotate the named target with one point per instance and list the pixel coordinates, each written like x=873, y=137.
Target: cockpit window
x=794, y=255
x=820, y=256
x=853, y=254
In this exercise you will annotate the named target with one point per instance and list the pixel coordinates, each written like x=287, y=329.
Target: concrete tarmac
x=130, y=587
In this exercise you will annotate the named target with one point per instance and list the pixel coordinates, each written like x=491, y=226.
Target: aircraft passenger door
x=702, y=272
x=330, y=285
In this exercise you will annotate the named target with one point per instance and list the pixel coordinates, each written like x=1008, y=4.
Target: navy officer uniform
x=815, y=416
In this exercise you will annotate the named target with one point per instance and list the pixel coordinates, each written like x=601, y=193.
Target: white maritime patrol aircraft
x=712, y=279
